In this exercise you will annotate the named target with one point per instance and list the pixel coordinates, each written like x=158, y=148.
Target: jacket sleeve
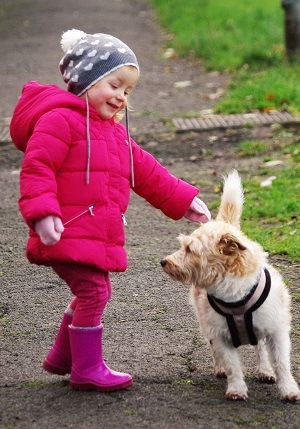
x=159, y=187
x=45, y=153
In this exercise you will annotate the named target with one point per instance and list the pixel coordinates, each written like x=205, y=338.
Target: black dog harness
x=239, y=314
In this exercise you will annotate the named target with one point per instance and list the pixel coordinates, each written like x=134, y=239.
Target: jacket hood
x=35, y=101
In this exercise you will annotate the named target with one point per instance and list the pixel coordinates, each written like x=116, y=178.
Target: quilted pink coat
x=49, y=125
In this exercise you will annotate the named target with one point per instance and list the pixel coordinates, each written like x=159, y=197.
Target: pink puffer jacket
x=49, y=125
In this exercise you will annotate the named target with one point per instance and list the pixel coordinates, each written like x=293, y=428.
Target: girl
x=79, y=166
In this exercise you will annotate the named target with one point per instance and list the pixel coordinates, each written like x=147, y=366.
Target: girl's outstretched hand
x=49, y=229
x=198, y=212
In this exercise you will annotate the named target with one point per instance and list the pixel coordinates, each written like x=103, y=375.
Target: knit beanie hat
x=90, y=57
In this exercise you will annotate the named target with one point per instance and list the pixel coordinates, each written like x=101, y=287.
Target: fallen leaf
x=182, y=84
x=215, y=95
x=267, y=182
x=170, y=53
x=168, y=69
x=268, y=109
x=273, y=163
x=206, y=113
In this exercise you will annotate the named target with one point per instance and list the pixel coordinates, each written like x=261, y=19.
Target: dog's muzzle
x=163, y=263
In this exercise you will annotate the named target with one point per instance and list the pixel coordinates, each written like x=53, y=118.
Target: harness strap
x=239, y=314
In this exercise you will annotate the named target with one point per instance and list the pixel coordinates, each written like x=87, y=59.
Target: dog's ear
x=191, y=244
x=229, y=245
x=182, y=238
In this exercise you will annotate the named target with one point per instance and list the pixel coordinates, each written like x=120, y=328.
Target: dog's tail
x=232, y=200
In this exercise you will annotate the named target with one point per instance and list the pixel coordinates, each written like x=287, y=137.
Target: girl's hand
x=198, y=212
x=49, y=229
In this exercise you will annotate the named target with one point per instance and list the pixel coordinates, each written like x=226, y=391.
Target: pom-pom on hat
x=90, y=57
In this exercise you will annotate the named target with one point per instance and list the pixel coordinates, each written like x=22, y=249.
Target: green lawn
x=271, y=213
x=240, y=36
x=246, y=38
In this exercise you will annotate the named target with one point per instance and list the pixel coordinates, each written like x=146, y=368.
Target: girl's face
x=109, y=95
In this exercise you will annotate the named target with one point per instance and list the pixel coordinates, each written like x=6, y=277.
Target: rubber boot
x=59, y=359
x=89, y=371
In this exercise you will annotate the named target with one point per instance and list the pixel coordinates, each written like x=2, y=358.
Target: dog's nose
x=163, y=262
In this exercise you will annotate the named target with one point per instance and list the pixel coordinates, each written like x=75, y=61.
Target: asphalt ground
x=150, y=330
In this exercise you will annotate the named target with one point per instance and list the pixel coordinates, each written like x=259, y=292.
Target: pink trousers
x=92, y=289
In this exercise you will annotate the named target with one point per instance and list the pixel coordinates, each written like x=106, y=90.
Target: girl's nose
x=121, y=96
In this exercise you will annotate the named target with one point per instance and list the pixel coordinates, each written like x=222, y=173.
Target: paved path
x=150, y=330
x=30, y=50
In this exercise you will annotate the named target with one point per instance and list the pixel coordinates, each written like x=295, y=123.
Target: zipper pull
x=124, y=220
x=91, y=210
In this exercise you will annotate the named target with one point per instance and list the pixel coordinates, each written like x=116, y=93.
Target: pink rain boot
x=89, y=371
x=59, y=359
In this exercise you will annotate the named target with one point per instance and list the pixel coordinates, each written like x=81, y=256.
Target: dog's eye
x=187, y=249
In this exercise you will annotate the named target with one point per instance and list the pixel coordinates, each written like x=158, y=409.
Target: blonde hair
x=120, y=115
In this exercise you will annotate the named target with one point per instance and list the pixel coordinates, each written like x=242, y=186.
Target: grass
x=245, y=38
x=271, y=214
x=276, y=87
x=227, y=35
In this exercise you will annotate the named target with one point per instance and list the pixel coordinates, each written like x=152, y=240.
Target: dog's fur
x=218, y=259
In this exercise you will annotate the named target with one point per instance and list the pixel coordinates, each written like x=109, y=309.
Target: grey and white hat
x=90, y=57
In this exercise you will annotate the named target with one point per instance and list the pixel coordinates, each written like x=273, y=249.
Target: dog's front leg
x=264, y=370
x=229, y=356
x=219, y=370
x=279, y=353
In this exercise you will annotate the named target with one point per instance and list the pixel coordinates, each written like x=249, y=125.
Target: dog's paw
x=237, y=391
x=289, y=392
x=266, y=378
x=221, y=373
x=292, y=397
x=235, y=396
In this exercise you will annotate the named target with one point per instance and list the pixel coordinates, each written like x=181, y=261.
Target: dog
x=237, y=296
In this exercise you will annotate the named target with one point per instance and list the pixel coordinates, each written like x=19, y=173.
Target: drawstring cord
x=88, y=137
x=130, y=147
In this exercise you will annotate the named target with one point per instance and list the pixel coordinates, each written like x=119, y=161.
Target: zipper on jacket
x=124, y=220
x=88, y=210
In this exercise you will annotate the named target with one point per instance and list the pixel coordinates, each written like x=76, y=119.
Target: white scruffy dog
x=237, y=296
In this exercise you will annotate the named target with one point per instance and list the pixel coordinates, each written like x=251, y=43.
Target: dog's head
x=213, y=253
x=218, y=253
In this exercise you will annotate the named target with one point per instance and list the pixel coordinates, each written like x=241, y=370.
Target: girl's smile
x=109, y=95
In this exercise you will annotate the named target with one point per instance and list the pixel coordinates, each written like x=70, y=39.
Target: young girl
x=79, y=166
